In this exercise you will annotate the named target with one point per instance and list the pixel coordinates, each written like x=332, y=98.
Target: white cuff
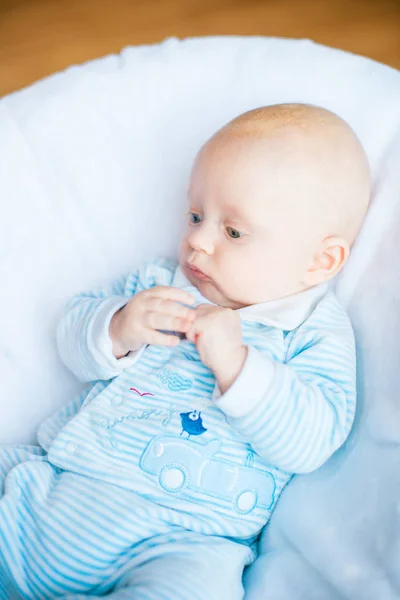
x=99, y=340
x=249, y=387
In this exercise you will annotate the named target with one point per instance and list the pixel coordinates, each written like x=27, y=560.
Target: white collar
x=285, y=313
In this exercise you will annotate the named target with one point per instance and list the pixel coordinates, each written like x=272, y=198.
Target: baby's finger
x=172, y=308
x=195, y=330
x=158, y=320
x=204, y=309
x=192, y=336
x=172, y=293
x=161, y=339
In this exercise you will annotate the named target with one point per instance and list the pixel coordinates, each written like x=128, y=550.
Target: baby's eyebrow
x=236, y=222
x=238, y=218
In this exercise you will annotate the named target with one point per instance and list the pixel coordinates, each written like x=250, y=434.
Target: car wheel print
x=173, y=477
x=246, y=501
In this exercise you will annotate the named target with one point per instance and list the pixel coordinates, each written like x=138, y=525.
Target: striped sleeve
x=83, y=337
x=296, y=415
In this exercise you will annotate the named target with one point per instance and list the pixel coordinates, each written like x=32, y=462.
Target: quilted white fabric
x=94, y=165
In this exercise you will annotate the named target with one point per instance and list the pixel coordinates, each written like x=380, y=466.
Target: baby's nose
x=200, y=239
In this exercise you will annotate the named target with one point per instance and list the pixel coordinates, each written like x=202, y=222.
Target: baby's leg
x=12, y=460
x=198, y=568
x=11, y=456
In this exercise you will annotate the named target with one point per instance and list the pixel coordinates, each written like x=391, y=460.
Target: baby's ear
x=330, y=257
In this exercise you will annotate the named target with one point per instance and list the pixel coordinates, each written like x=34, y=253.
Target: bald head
x=317, y=161
x=276, y=199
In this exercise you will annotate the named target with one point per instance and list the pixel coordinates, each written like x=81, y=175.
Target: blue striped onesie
x=151, y=483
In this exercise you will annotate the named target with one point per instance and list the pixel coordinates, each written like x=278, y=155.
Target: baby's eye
x=234, y=233
x=194, y=218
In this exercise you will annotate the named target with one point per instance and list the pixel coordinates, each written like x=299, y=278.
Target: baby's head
x=276, y=199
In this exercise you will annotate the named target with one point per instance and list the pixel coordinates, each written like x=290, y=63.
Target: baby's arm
x=83, y=336
x=296, y=415
x=102, y=333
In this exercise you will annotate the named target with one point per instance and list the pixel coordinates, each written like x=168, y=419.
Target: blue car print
x=179, y=463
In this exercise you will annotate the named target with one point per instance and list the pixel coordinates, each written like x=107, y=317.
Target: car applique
x=183, y=463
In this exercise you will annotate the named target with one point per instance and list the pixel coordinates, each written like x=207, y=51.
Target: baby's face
x=247, y=240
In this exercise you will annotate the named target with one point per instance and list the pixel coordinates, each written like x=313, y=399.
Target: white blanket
x=93, y=171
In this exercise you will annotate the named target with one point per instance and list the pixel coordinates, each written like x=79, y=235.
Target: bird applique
x=192, y=423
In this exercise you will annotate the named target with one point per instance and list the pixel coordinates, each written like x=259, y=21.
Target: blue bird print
x=192, y=423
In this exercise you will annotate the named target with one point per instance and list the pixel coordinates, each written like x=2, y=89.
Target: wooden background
x=38, y=37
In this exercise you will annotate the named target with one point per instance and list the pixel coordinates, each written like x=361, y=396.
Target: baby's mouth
x=197, y=273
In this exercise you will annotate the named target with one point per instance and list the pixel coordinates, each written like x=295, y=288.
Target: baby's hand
x=217, y=334
x=148, y=311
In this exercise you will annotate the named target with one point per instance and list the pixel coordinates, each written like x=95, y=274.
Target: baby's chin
x=213, y=294
x=206, y=288
x=210, y=290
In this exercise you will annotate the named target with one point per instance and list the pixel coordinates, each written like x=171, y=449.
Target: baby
x=215, y=381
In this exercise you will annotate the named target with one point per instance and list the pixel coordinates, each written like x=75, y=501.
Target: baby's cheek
x=245, y=279
x=183, y=248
